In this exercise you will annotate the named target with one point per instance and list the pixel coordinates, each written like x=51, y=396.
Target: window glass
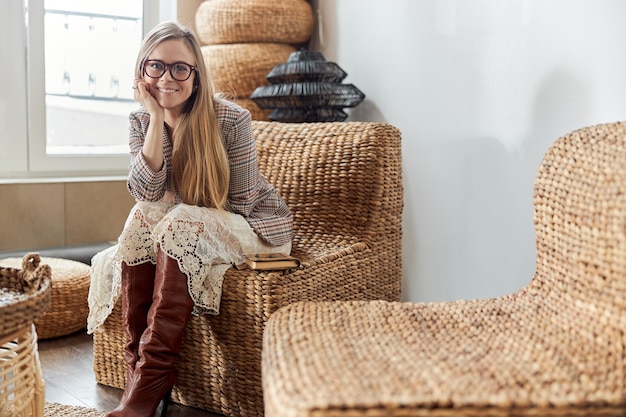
x=90, y=50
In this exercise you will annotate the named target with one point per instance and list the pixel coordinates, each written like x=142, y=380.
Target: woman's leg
x=154, y=373
x=138, y=269
x=137, y=289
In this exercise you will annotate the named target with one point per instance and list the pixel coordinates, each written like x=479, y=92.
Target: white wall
x=479, y=89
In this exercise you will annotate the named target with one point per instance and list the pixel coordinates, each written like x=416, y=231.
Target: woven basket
x=24, y=294
x=239, y=69
x=22, y=388
x=241, y=21
x=68, y=309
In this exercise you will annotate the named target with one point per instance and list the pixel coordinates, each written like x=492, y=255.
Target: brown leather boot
x=160, y=344
x=137, y=289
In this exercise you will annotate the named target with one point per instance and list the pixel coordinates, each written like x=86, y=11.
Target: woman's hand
x=153, y=142
x=144, y=96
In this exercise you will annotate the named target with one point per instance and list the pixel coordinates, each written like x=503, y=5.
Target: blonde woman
x=201, y=204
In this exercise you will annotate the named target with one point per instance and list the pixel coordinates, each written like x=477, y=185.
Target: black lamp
x=307, y=88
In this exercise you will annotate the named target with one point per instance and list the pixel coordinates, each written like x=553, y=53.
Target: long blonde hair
x=199, y=162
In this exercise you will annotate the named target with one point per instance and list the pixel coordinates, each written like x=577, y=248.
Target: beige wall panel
x=32, y=216
x=96, y=211
x=187, y=12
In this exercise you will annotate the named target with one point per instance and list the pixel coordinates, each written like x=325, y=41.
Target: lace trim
x=205, y=242
x=105, y=287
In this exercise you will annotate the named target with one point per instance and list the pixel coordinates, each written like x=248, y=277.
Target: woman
x=201, y=204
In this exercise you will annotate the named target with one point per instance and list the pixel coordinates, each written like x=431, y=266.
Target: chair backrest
x=580, y=222
x=342, y=181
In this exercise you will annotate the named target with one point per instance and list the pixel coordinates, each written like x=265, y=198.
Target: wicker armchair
x=555, y=347
x=343, y=183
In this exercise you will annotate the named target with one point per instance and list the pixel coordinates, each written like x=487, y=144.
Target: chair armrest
x=351, y=272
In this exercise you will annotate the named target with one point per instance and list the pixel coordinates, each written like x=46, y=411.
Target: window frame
x=23, y=102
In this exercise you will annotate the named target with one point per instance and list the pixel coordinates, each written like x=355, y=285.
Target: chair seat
x=460, y=358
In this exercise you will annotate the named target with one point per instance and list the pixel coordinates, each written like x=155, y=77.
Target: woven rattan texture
x=555, y=347
x=239, y=69
x=24, y=293
x=61, y=410
x=343, y=182
x=22, y=388
x=244, y=21
x=68, y=298
x=256, y=112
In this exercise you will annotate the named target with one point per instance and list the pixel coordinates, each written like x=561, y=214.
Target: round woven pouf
x=256, y=112
x=68, y=298
x=243, y=21
x=239, y=69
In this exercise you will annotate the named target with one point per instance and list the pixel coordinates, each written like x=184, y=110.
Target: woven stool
x=239, y=69
x=68, y=305
x=243, y=21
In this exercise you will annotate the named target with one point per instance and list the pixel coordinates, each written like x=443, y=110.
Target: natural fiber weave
x=256, y=112
x=61, y=410
x=343, y=183
x=244, y=21
x=556, y=347
x=24, y=294
x=22, y=388
x=240, y=68
x=68, y=298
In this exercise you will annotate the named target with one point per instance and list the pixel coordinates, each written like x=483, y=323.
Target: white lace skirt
x=205, y=242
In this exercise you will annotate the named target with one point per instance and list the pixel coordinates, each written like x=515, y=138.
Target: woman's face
x=170, y=92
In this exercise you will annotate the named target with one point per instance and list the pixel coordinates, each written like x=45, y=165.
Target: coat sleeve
x=250, y=194
x=143, y=183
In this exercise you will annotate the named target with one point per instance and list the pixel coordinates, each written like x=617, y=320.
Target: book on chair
x=270, y=261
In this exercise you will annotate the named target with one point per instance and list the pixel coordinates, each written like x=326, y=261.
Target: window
x=90, y=49
x=65, y=93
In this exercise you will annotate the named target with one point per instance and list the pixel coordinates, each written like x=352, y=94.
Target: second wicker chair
x=555, y=348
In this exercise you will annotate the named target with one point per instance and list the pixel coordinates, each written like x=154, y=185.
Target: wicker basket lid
x=24, y=293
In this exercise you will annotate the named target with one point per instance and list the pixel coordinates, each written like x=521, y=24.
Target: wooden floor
x=67, y=366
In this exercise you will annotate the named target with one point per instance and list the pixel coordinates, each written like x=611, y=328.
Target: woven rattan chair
x=555, y=347
x=343, y=184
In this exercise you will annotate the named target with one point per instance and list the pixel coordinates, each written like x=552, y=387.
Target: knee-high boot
x=137, y=289
x=154, y=373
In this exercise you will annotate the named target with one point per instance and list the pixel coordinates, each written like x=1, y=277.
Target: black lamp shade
x=307, y=88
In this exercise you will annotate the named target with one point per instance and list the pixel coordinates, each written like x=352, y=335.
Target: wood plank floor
x=67, y=367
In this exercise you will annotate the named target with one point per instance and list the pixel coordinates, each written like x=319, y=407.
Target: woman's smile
x=166, y=90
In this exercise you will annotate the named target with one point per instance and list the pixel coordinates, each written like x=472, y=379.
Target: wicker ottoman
x=68, y=305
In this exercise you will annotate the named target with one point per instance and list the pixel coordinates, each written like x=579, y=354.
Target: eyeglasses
x=179, y=71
